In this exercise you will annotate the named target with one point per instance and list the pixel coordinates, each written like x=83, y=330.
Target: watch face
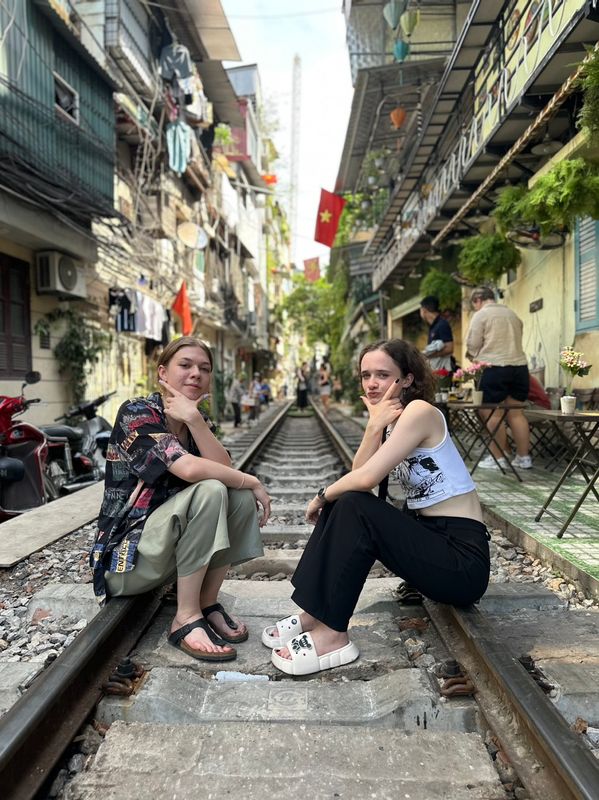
x=321, y=491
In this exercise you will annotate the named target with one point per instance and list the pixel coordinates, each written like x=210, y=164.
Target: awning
x=220, y=92
x=378, y=90
x=204, y=27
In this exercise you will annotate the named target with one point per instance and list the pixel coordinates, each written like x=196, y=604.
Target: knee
x=242, y=498
x=352, y=501
x=210, y=491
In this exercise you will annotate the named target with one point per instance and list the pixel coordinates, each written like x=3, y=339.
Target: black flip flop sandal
x=241, y=637
x=176, y=640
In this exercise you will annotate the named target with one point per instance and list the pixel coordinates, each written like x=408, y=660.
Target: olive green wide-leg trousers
x=206, y=523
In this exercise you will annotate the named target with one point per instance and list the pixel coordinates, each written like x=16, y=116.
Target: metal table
x=583, y=432
x=469, y=429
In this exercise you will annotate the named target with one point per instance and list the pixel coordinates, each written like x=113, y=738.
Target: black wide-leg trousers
x=445, y=558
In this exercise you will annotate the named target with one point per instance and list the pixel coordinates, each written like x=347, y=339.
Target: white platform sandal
x=306, y=661
x=278, y=635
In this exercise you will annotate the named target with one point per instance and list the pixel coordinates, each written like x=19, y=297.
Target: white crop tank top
x=432, y=474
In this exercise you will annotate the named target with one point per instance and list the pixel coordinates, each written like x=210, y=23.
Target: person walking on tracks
x=174, y=508
x=438, y=543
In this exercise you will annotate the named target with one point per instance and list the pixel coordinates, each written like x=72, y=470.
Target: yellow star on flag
x=325, y=216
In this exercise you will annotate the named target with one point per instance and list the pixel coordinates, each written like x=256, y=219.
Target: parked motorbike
x=84, y=461
x=96, y=433
x=24, y=481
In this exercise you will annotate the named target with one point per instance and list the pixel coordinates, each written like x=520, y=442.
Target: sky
x=269, y=33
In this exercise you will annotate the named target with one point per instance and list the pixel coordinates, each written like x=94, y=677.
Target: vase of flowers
x=473, y=373
x=573, y=365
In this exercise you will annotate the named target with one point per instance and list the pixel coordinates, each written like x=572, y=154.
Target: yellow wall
x=548, y=275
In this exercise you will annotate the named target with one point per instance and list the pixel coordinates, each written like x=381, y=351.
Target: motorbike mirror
x=33, y=377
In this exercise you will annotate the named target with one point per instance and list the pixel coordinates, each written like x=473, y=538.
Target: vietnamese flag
x=181, y=307
x=327, y=219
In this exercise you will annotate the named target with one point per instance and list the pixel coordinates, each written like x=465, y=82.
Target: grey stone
x=75, y=600
x=402, y=699
x=577, y=688
x=347, y=762
x=14, y=678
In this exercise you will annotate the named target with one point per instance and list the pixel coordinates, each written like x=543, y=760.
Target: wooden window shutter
x=587, y=269
x=15, y=327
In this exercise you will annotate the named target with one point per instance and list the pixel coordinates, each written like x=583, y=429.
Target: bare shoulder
x=423, y=420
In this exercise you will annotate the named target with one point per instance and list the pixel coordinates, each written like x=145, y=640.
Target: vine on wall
x=79, y=347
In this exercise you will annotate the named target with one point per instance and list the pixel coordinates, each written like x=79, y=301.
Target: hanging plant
x=569, y=190
x=588, y=118
x=508, y=212
x=441, y=285
x=78, y=348
x=487, y=258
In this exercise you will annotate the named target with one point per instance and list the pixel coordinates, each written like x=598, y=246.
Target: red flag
x=312, y=269
x=181, y=307
x=327, y=219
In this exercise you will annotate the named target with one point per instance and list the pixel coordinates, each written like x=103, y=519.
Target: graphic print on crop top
x=419, y=476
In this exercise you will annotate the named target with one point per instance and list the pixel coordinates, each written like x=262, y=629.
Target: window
x=587, y=274
x=66, y=99
x=15, y=340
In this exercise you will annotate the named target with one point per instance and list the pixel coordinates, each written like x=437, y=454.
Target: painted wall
x=547, y=275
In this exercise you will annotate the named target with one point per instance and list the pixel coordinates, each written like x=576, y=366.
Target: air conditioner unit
x=59, y=274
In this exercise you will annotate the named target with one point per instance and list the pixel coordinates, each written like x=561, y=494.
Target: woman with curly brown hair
x=438, y=544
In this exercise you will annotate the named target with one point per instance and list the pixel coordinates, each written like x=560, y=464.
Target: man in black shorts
x=495, y=336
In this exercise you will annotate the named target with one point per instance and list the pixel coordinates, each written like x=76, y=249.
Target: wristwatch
x=321, y=494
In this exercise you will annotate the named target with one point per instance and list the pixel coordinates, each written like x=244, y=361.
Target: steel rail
x=344, y=452
x=566, y=763
x=37, y=729
x=562, y=768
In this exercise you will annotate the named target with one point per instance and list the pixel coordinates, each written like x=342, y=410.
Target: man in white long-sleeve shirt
x=495, y=336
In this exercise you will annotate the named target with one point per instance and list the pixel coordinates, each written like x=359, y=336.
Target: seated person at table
x=439, y=544
x=495, y=336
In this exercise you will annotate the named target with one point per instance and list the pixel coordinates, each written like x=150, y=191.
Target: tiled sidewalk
x=518, y=503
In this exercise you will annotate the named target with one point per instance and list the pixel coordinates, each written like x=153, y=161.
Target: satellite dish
x=202, y=239
x=192, y=235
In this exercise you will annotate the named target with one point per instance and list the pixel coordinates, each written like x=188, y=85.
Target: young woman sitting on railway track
x=438, y=543
x=175, y=508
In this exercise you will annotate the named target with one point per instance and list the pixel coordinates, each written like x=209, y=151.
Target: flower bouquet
x=442, y=379
x=473, y=373
x=573, y=366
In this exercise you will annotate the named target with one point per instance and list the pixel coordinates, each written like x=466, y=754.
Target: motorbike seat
x=72, y=434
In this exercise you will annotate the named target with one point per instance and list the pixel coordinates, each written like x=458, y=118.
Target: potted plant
x=223, y=136
x=573, y=366
x=487, y=257
x=443, y=380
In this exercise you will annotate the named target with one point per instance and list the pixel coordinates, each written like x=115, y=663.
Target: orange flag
x=182, y=308
x=327, y=219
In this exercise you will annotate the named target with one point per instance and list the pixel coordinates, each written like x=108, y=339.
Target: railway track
x=396, y=722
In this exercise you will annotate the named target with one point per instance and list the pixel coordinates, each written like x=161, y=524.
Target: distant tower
x=296, y=102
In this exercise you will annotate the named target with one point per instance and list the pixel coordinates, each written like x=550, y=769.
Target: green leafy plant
x=441, y=285
x=570, y=189
x=508, y=211
x=588, y=117
x=223, y=135
x=487, y=258
x=78, y=348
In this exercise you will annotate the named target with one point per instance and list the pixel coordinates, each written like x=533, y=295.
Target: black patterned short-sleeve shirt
x=140, y=452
